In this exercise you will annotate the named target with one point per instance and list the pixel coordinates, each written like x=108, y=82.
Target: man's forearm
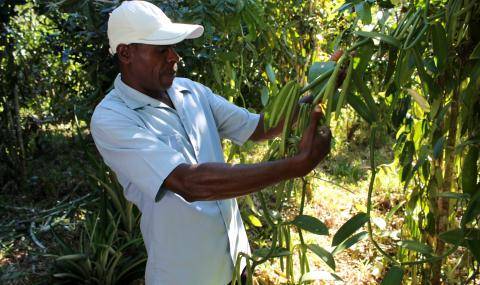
x=215, y=181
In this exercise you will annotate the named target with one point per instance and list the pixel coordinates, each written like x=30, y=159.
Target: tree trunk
x=448, y=182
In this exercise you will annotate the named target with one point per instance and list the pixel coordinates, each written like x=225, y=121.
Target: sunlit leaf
x=416, y=246
x=382, y=37
x=255, y=221
x=277, y=252
x=394, y=276
x=323, y=254
x=349, y=228
x=421, y=101
x=310, y=224
x=350, y=242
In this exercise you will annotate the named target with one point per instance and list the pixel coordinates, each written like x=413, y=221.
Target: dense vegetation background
x=412, y=99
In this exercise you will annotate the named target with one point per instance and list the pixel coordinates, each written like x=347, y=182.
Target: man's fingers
x=316, y=115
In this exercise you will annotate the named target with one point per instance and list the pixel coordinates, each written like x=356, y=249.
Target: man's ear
x=124, y=53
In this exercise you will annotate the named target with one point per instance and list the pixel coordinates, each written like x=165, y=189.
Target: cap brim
x=173, y=33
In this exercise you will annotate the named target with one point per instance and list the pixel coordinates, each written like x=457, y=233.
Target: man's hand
x=315, y=143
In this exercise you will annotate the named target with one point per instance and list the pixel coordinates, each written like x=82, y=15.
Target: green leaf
x=363, y=12
x=265, y=96
x=323, y=254
x=453, y=236
x=382, y=37
x=77, y=256
x=394, y=276
x=349, y=228
x=440, y=45
x=310, y=224
x=438, y=148
x=277, y=252
x=416, y=246
x=350, y=242
x=470, y=171
x=365, y=93
x=419, y=99
x=255, y=221
x=473, y=209
x=270, y=74
x=476, y=52
x=317, y=69
x=394, y=210
x=360, y=107
x=474, y=247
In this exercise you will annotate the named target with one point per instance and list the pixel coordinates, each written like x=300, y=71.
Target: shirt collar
x=136, y=99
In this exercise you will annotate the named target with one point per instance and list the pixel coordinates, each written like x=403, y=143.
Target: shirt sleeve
x=233, y=122
x=134, y=152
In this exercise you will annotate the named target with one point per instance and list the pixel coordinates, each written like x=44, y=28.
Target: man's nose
x=173, y=55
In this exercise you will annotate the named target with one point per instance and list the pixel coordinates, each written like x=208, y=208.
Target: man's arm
x=214, y=181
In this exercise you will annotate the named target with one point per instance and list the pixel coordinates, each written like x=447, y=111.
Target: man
x=161, y=136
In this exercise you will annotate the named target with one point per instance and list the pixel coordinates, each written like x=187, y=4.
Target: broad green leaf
x=416, y=246
x=470, y=171
x=310, y=224
x=347, y=5
x=318, y=68
x=323, y=254
x=315, y=70
x=385, y=4
x=365, y=93
x=453, y=236
x=473, y=209
x=265, y=96
x=394, y=276
x=440, y=45
x=270, y=74
x=476, y=52
x=364, y=54
x=391, y=65
x=350, y=242
x=360, y=107
x=474, y=247
x=419, y=99
x=382, y=37
x=408, y=151
x=349, y=228
x=363, y=12
x=277, y=252
x=319, y=275
x=255, y=221
x=438, y=148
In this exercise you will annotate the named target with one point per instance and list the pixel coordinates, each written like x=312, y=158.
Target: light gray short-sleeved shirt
x=142, y=140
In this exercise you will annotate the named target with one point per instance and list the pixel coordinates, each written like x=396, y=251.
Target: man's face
x=152, y=67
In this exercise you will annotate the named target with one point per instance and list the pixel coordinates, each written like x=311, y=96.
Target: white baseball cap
x=144, y=23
